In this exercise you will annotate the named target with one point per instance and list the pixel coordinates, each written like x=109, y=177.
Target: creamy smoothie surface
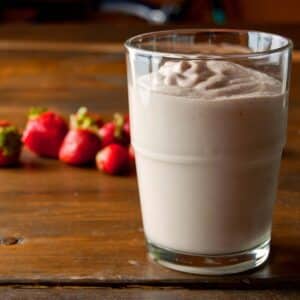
x=208, y=137
x=210, y=79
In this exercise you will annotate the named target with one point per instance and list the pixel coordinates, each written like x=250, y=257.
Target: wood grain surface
x=138, y=294
x=112, y=32
x=61, y=225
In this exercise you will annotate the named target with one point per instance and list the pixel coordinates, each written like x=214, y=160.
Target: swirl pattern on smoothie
x=211, y=79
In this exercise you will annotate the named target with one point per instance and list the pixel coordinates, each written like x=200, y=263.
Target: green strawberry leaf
x=35, y=112
x=119, y=123
x=82, y=112
x=10, y=140
x=83, y=120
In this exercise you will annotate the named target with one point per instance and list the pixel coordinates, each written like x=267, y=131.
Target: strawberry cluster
x=86, y=140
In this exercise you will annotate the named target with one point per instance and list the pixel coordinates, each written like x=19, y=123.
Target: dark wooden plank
x=119, y=31
x=137, y=294
x=79, y=227
x=70, y=77
x=61, y=80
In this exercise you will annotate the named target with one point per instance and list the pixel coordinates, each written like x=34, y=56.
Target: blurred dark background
x=116, y=20
x=196, y=12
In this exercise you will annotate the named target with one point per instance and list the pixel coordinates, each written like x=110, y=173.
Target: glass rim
x=129, y=44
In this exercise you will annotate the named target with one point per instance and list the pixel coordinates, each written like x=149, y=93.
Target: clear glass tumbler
x=208, y=113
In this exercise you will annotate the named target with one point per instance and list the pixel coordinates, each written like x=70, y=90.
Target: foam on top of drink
x=210, y=79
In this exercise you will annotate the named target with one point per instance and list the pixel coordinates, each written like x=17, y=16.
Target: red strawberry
x=131, y=156
x=113, y=159
x=131, y=153
x=10, y=144
x=82, y=142
x=126, y=127
x=116, y=131
x=79, y=147
x=107, y=134
x=44, y=132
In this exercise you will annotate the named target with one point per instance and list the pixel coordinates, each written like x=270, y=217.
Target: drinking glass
x=208, y=115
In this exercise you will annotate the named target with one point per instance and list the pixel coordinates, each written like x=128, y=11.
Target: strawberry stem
x=119, y=122
x=83, y=120
x=82, y=111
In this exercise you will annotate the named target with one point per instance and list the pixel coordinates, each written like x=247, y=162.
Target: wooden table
x=74, y=233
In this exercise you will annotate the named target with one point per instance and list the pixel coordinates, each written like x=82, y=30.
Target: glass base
x=210, y=264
